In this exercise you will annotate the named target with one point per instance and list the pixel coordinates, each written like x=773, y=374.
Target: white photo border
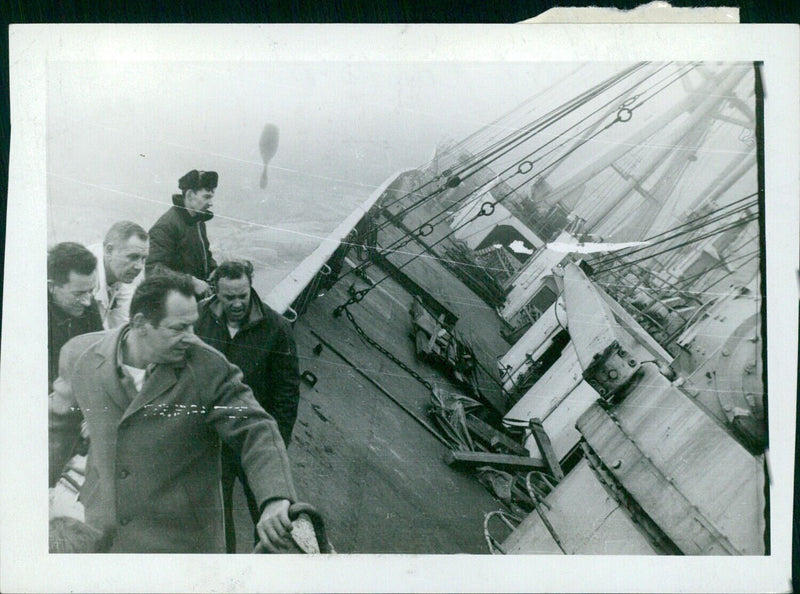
x=27, y=566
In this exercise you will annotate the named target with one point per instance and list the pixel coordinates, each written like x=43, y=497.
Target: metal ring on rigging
x=625, y=118
x=524, y=167
x=425, y=230
x=487, y=209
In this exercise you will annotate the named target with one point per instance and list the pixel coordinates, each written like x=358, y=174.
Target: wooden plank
x=546, y=448
x=691, y=531
x=453, y=457
x=491, y=435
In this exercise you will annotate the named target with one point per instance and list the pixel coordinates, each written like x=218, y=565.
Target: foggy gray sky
x=119, y=135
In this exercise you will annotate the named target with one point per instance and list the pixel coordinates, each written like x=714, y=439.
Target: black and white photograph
x=465, y=301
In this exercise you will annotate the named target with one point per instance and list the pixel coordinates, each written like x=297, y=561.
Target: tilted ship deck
x=606, y=402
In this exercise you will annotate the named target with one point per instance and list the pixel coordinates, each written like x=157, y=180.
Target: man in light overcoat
x=157, y=402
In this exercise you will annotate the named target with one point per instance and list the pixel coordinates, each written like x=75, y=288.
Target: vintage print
x=495, y=308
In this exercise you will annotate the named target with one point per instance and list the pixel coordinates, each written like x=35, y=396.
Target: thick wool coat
x=153, y=469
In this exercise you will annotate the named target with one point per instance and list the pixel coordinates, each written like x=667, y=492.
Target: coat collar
x=106, y=362
x=256, y=309
x=161, y=377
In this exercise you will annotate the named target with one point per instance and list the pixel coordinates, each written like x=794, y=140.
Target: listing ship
x=549, y=338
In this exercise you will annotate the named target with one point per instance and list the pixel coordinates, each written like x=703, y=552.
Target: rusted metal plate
x=668, y=448
x=585, y=518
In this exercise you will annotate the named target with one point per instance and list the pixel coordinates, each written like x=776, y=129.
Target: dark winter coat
x=264, y=349
x=61, y=327
x=153, y=468
x=178, y=241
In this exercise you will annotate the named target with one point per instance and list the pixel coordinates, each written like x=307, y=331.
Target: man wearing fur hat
x=178, y=240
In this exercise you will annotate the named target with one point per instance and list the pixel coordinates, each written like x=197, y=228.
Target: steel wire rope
x=359, y=295
x=590, y=94
x=696, y=225
x=700, y=225
x=429, y=222
x=517, y=137
x=688, y=280
x=399, y=243
x=719, y=280
x=717, y=231
x=678, y=288
x=739, y=223
x=563, y=110
x=510, y=112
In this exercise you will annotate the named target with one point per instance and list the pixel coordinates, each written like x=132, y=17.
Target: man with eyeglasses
x=157, y=401
x=121, y=257
x=178, y=239
x=71, y=309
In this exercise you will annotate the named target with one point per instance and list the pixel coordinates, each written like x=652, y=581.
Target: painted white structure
x=536, y=340
x=534, y=277
x=475, y=231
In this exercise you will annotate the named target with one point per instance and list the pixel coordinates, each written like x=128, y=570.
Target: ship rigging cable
x=605, y=264
x=684, y=228
x=627, y=108
x=734, y=225
x=517, y=138
x=524, y=167
x=539, y=124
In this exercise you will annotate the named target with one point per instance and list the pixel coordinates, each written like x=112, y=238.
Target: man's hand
x=200, y=287
x=274, y=526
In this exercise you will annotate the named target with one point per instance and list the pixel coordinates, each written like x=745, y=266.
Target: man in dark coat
x=71, y=309
x=157, y=401
x=178, y=240
x=259, y=341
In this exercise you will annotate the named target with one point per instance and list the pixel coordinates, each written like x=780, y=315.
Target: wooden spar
x=386, y=392
x=546, y=448
x=286, y=291
x=491, y=436
x=453, y=457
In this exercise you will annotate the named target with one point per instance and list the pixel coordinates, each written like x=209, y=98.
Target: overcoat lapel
x=160, y=380
x=107, y=369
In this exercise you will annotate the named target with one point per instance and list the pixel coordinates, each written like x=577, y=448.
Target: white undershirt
x=137, y=375
x=233, y=330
